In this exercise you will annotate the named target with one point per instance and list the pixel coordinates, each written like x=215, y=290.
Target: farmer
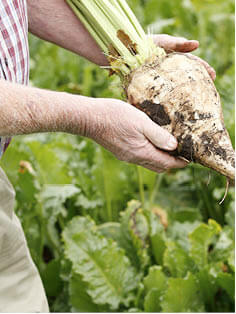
x=127, y=132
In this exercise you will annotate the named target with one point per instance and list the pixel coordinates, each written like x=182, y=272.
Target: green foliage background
x=160, y=253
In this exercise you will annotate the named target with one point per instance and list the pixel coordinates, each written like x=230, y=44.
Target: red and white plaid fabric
x=14, y=52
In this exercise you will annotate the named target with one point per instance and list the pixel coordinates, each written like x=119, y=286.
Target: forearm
x=119, y=127
x=54, y=21
x=25, y=110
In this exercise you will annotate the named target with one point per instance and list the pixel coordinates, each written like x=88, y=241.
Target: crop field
x=111, y=236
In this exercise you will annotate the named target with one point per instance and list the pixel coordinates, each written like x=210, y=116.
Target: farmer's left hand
x=181, y=44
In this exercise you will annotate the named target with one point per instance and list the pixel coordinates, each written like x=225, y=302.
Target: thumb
x=159, y=136
x=172, y=43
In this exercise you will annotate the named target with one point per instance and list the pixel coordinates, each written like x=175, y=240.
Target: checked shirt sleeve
x=14, y=52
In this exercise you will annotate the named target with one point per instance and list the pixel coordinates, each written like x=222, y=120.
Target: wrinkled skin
x=130, y=134
x=115, y=127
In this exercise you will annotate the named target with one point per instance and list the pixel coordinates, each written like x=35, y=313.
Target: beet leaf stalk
x=118, y=33
x=173, y=89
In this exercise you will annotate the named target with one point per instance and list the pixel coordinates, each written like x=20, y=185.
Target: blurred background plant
x=164, y=252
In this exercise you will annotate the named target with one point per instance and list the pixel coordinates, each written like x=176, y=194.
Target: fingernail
x=184, y=159
x=194, y=41
x=172, y=143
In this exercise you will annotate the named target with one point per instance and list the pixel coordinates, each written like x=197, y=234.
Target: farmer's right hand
x=130, y=135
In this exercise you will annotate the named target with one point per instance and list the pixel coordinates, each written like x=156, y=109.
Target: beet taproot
x=177, y=93
x=173, y=89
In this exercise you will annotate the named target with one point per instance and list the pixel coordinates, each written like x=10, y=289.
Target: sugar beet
x=178, y=94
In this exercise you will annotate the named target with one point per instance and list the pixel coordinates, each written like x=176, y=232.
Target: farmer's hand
x=181, y=44
x=131, y=135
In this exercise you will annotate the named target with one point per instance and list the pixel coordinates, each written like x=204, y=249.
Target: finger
x=169, y=162
x=151, y=167
x=187, y=46
x=158, y=136
x=159, y=161
x=172, y=43
x=209, y=69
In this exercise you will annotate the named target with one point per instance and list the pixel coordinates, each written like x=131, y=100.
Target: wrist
x=73, y=114
x=91, y=116
x=96, y=116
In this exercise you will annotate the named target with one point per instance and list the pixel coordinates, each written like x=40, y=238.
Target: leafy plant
x=112, y=277
x=165, y=252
